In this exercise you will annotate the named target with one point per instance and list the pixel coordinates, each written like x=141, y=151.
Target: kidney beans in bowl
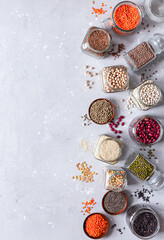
x=145, y=130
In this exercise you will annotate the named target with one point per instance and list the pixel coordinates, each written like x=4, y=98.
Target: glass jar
x=114, y=79
x=145, y=52
x=135, y=212
x=152, y=9
x=114, y=179
x=143, y=133
x=110, y=23
x=107, y=149
x=145, y=171
x=146, y=90
x=96, y=50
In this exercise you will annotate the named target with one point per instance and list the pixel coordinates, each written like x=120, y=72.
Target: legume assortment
x=144, y=130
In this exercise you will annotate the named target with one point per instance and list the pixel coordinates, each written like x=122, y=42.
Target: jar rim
x=121, y=188
x=141, y=87
x=135, y=124
x=127, y=75
x=133, y=5
x=147, y=209
x=109, y=40
x=110, y=139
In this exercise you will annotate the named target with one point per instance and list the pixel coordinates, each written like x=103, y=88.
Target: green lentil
x=141, y=167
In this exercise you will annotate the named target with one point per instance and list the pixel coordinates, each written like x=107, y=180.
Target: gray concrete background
x=42, y=98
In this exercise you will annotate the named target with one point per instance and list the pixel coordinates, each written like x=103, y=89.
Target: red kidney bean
x=148, y=131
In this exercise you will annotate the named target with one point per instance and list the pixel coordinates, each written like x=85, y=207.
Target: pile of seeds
x=86, y=120
x=148, y=131
x=148, y=74
x=114, y=202
x=116, y=50
x=130, y=104
x=117, y=77
x=141, y=167
x=95, y=225
x=120, y=230
x=89, y=73
x=141, y=55
x=143, y=194
x=98, y=40
x=150, y=94
x=88, y=206
x=150, y=152
x=101, y=111
x=145, y=224
x=84, y=145
x=86, y=173
x=98, y=11
x=114, y=125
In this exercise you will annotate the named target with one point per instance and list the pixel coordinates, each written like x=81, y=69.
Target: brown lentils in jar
x=96, y=42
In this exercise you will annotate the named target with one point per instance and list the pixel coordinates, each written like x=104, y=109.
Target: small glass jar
x=114, y=79
x=110, y=23
x=144, y=171
x=145, y=52
x=152, y=10
x=134, y=212
x=86, y=48
x=137, y=128
x=107, y=149
x=114, y=179
x=141, y=94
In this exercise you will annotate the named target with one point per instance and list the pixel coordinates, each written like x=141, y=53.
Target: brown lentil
x=98, y=40
x=141, y=55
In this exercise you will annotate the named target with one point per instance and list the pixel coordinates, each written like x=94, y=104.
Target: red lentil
x=87, y=206
x=95, y=225
x=126, y=17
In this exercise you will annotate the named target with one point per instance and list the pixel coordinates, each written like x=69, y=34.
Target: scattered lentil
x=87, y=206
x=86, y=120
x=86, y=174
x=116, y=50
